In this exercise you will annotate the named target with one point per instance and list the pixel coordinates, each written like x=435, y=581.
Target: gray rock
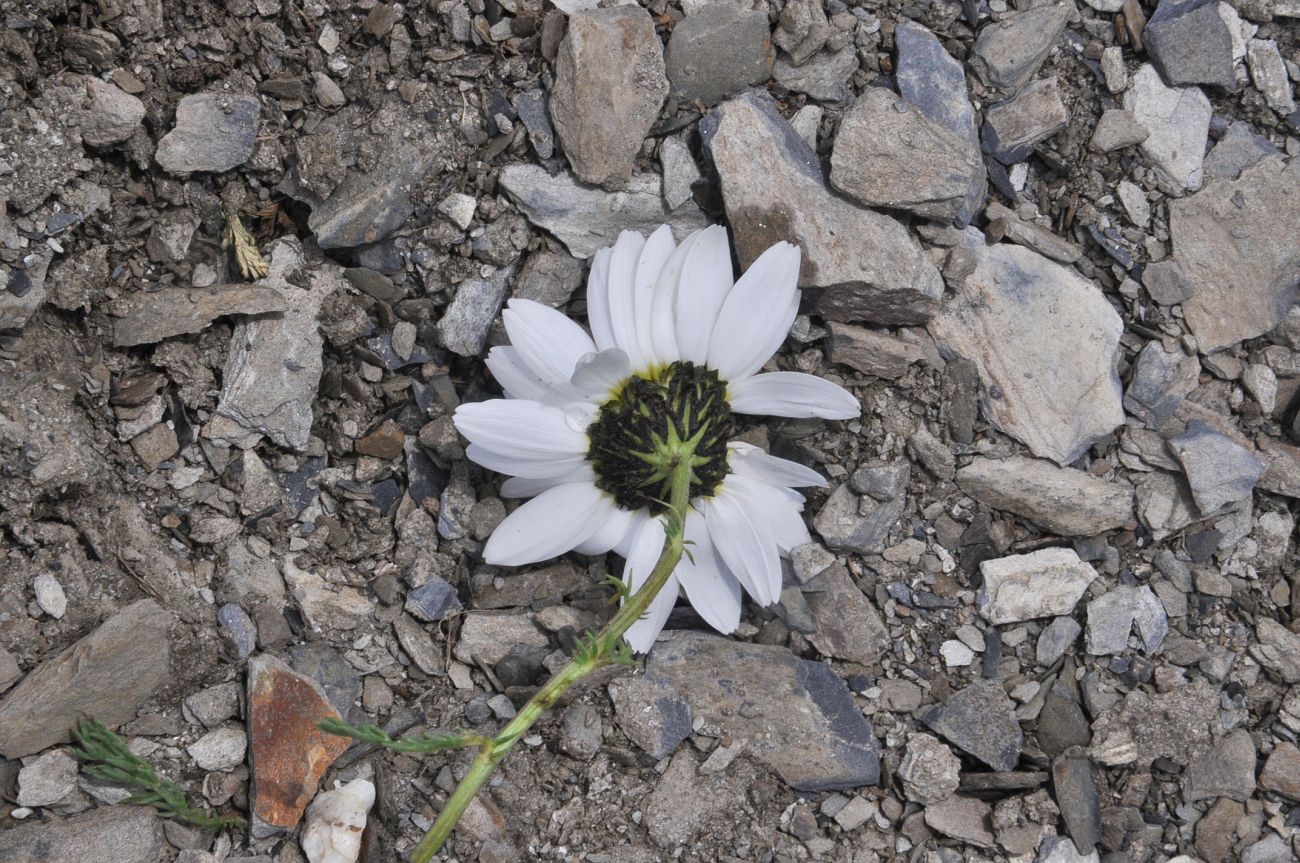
x=1189, y=42
x=653, y=716
x=581, y=734
x=214, y=705
x=871, y=352
x=1116, y=130
x=465, y=324
x=797, y=715
x=824, y=77
x=1271, y=849
x=1076, y=795
x=1268, y=71
x=609, y=83
x=1060, y=849
x=24, y=290
x=107, y=115
x=847, y=624
x=169, y=239
x=1177, y=120
x=1013, y=311
x=532, y=109
x=1061, y=723
x=10, y=672
x=802, y=29
x=586, y=220
x=773, y=190
x=1227, y=770
x=549, y=277
x=1166, y=283
x=964, y=818
x=1239, y=149
x=1012, y=129
x=214, y=132
x=46, y=780
x=1177, y=725
x=889, y=154
x=980, y=720
x=369, y=206
x=929, y=771
x=1278, y=649
x=687, y=800
x=1036, y=236
x=1134, y=201
x=1161, y=380
x=1233, y=241
x=274, y=365
x=1044, y=583
x=1112, y=617
x=1063, y=500
x=433, y=601
x=238, y=630
x=849, y=523
x=418, y=645
x=1219, y=470
x=680, y=171
x=220, y=749
x=1008, y=52
x=1055, y=639
x=107, y=674
x=717, y=52
x=50, y=597
x=328, y=94
x=1113, y=68
x=145, y=317
x=932, y=80
x=1164, y=503
x=488, y=636
x=109, y=834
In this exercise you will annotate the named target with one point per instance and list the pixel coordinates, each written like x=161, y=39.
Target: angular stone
x=1055, y=639
x=1177, y=725
x=651, y=714
x=1240, y=148
x=219, y=749
x=963, y=818
x=145, y=317
x=687, y=800
x=107, y=115
x=1164, y=503
x=107, y=674
x=609, y=83
x=488, y=636
x=433, y=601
x=797, y=715
x=929, y=78
x=1227, y=770
x=824, y=77
x=1063, y=500
x=46, y=780
x=1060, y=849
x=1268, y=71
x=848, y=625
x=273, y=370
x=680, y=171
x=1044, y=583
x=1161, y=380
x=1043, y=339
x=773, y=189
x=872, y=352
x=889, y=154
x=214, y=132
x=1036, y=236
x=367, y=207
x=324, y=604
x=418, y=645
x=1177, y=121
x=1061, y=723
x=336, y=822
x=1219, y=470
x=1012, y=129
x=1008, y=52
x=929, y=771
x=802, y=29
x=847, y=522
x=1117, y=129
x=1076, y=795
x=109, y=834
x=717, y=52
x=1234, y=242
x=288, y=754
x=464, y=326
x=980, y=720
x=1189, y=42
x=1278, y=649
x=586, y=220
x=1281, y=773
x=1112, y=617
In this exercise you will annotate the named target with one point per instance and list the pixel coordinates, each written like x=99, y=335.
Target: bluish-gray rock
x=464, y=326
x=980, y=720
x=1161, y=380
x=651, y=714
x=214, y=132
x=1112, y=617
x=238, y=630
x=1219, y=470
x=1189, y=42
x=1239, y=149
x=433, y=600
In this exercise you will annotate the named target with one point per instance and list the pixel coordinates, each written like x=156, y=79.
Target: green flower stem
x=600, y=651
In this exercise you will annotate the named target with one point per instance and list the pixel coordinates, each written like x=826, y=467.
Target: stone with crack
x=1044, y=583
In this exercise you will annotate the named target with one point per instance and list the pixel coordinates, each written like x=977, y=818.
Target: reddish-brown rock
x=386, y=442
x=288, y=753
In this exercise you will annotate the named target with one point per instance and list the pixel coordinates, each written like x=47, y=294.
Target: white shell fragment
x=335, y=821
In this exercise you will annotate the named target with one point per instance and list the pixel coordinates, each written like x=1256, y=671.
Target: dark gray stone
x=1161, y=380
x=1007, y=53
x=1166, y=284
x=110, y=834
x=532, y=109
x=717, y=52
x=1055, y=639
x=1012, y=129
x=825, y=77
x=1076, y=794
x=1061, y=723
x=847, y=522
x=1219, y=470
x=336, y=676
x=433, y=600
x=368, y=207
x=1189, y=42
x=214, y=132
x=145, y=317
x=802, y=29
x=1240, y=148
x=1117, y=129
x=981, y=721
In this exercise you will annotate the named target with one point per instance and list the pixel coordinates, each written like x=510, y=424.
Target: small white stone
x=459, y=208
x=1261, y=382
x=335, y=821
x=1268, y=71
x=1135, y=203
x=1019, y=175
x=219, y=749
x=956, y=654
x=49, y=595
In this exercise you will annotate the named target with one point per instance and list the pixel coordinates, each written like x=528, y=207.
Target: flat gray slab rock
x=609, y=83
x=1177, y=120
x=1227, y=770
x=1189, y=42
x=889, y=154
x=1012, y=129
x=463, y=328
x=1008, y=52
x=274, y=367
x=1235, y=240
x=214, y=132
x=1112, y=617
x=848, y=625
x=587, y=219
x=719, y=51
x=773, y=189
x=797, y=715
x=369, y=206
x=1161, y=380
x=148, y=317
x=1219, y=470
x=980, y=720
x=1044, y=583
x=847, y=522
x=109, y=834
x=1063, y=500
x=108, y=674
x=1043, y=339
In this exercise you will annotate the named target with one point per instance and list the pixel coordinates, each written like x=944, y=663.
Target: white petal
x=522, y=428
x=711, y=588
x=516, y=379
x=602, y=329
x=600, y=373
x=705, y=280
x=749, y=460
x=654, y=254
x=568, y=469
x=743, y=545
x=792, y=394
x=612, y=534
x=757, y=314
x=549, y=524
x=645, y=545
x=622, y=296
x=664, y=326
x=642, y=634
x=522, y=486
x=547, y=340
x=776, y=511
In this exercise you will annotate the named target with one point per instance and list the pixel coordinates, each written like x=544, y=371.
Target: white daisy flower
x=674, y=351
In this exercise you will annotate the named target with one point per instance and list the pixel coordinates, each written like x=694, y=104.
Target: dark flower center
x=650, y=424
